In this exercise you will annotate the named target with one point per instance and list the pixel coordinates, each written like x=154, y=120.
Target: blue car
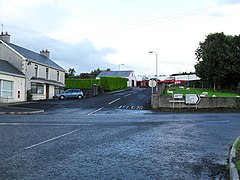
x=70, y=93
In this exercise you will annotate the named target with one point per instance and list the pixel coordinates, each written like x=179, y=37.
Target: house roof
x=114, y=73
x=30, y=55
x=7, y=68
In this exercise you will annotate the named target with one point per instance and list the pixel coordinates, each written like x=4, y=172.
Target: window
x=47, y=72
x=6, y=88
x=36, y=70
x=37, y=88
x=58, y=90
x=57, y=75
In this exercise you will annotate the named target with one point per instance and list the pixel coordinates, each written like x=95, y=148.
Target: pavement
x=10, y=109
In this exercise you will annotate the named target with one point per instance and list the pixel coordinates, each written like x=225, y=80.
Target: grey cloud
x=82, y=56
x=38, y=16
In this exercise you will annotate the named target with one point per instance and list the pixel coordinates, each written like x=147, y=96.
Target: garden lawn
x=199, y=91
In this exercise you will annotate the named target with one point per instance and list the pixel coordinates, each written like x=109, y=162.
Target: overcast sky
x=90, y=34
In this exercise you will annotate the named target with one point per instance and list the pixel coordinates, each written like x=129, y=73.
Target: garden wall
x=205, y=102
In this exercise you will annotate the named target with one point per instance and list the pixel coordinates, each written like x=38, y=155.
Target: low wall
x=205, y=102
x=95, y=91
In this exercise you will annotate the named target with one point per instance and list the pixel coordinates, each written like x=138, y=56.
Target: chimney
x=45, y=53
x=5, y=37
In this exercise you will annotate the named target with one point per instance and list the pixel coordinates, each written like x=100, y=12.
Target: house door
x=47, y=91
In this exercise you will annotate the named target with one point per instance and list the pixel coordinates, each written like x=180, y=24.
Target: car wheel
x=80, y=97
x=62, y=97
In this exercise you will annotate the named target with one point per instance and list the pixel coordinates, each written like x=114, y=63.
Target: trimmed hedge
x=113, y=83
x=79, y=83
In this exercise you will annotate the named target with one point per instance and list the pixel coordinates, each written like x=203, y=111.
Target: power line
x=164, y=19
x=106, y=32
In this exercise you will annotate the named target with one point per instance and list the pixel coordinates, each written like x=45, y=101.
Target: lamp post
x=120, y=66
x=156, y=66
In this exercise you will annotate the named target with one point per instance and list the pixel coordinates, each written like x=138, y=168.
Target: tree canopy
x=218, y=60
x=71, y=73
x=93, y=74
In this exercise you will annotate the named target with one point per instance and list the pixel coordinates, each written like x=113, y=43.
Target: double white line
x=99, y=109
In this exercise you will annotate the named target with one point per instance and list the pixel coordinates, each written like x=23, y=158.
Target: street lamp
x=120, y=66
x=156, y=66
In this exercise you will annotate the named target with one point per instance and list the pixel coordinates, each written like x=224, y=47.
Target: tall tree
x=218, y=60
x=71, y=72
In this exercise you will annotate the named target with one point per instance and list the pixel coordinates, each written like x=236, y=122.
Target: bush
x=79, y=83
x=113, y=83
x=29, y=95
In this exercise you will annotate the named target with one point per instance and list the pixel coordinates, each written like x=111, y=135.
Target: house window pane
x=57, y=75
x=7, y=85
x=47, y=72
x=36, y=70
x=34, y=88
x=6, y=94
x=40, y=89
x=6, y=88
x=37, y=88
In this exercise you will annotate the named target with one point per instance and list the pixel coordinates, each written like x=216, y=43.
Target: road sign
x=152, y=83
x=177, y=96
x=192, y=99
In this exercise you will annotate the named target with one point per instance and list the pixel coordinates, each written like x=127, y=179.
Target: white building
x=42, y=76
x=12, y=83
x=129, y=75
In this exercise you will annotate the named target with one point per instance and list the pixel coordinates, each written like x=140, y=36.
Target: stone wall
x=206, y=102
x=159, y=101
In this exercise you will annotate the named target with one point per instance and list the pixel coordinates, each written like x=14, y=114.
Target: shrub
x=79, y=83
x=238, y=165
x=29, y=95
x=113, y=83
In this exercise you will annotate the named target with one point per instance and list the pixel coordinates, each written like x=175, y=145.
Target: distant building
x=38, y=73
x=129, y=75
x=187, y=77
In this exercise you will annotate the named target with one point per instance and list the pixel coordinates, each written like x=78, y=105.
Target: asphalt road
x=115, y=136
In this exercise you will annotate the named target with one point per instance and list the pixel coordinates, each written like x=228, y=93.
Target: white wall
x=132, y=80
x=18, y=85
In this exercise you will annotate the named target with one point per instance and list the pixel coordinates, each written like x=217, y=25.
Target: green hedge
x=113, y=83
x=79, y=83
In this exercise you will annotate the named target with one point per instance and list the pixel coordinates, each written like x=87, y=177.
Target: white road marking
x=114, y=101
x=41, y=124
x=95, y=111
x=49, y=140
x=127, y=95
x=131, y=107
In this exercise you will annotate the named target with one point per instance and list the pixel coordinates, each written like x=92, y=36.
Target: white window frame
x=7, y=91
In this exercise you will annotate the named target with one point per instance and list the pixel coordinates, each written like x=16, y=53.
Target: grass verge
x=237, y=147
x=199, y=91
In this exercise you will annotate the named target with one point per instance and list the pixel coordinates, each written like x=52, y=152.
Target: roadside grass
x=237, y=147
x=199, y=91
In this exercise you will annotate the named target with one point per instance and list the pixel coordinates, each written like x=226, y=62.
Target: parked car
x=70, y=93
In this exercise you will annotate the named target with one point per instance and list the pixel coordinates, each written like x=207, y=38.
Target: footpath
x=12, y=109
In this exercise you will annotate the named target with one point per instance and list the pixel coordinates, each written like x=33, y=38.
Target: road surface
x=115, y=136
